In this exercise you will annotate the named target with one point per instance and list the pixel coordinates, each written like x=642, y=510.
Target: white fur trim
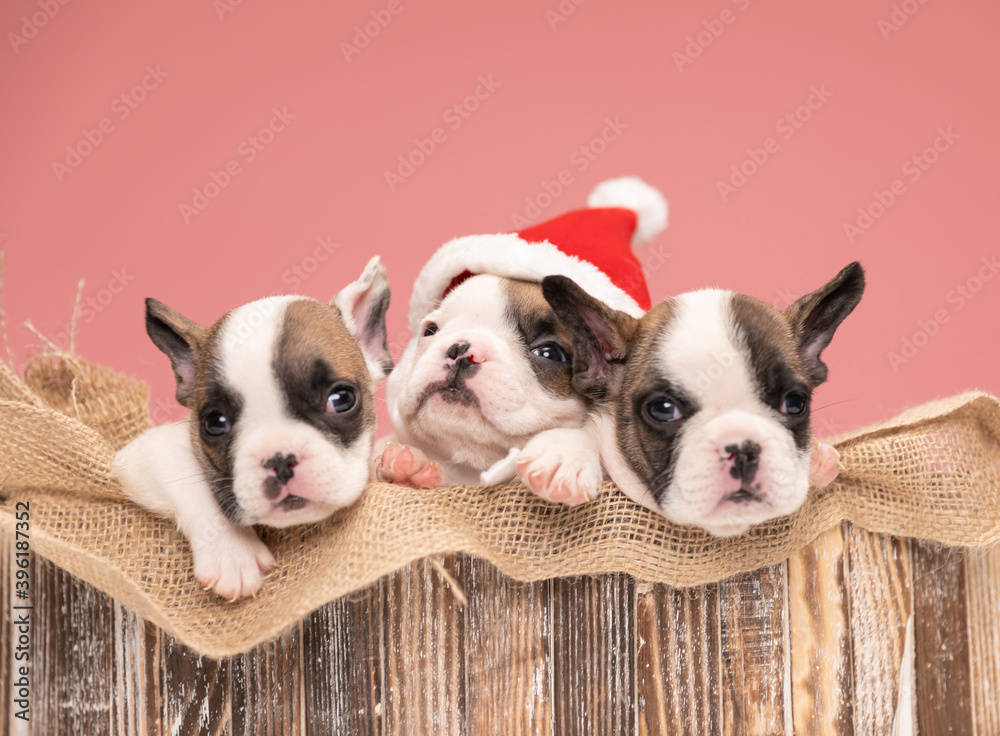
x=634, y=194
x=508, y=255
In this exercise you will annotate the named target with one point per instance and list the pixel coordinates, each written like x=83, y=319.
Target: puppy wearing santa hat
x=483, y=392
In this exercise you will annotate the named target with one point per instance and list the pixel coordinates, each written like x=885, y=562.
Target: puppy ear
x=363, y=305
x=180, y=339
x=602, y=336
x=815, y=317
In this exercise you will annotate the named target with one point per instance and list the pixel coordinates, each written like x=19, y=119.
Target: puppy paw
x=824, y=464
x=560, y=468
x=233, y=564
x=408, y=466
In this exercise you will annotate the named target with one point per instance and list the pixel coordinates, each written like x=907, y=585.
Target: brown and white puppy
x=483, y=392
x=704, y=402
x=488, y=375
x=281, y=428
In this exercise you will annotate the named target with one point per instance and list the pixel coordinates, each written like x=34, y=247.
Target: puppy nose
x=457, y=350
x=746, y=458
x=282, y=466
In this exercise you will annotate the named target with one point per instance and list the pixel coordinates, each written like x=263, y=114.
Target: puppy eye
x=430, y=329
x=663, y=410
x=551, y=351
x=794, y=404
x=341, y=399
x=215, y=424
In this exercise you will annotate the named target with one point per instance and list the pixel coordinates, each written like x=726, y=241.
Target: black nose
x=746, y=458
x=282, y=466
x=458, y=349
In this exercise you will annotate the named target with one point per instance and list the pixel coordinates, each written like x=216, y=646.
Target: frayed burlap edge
x=931, y=473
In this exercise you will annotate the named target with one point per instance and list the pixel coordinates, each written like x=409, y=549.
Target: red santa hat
x=592, y=246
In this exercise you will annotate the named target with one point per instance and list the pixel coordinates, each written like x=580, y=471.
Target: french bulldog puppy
x=281, y=426
x=490, y=372
x=483, y=392
x=703, y=404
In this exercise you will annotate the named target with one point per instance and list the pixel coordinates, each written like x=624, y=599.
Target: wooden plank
x=754, y=648
x=267, y=688
x=941, y=638
x=678, y=686
x=508, y=653
x=982, y=575
x=72, y=654
x=344, y=665
x=424, y=647
x=880, y=604
x=818, y=633
x=196, y=692
x=593, y=630
x=135, y=679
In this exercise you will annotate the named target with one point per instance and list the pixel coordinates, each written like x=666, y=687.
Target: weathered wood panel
x=72, y=654
x=982, y=576
x=881, y=602
x=941, y=638
x=817, y=644
x=822, y=696
x=196, y=692
x=593, y=626
x=678, y=678
x=267, y=687
x=754, y=650
x=136, y=707
x=508, y=656
x=425, y=645
x=344, y=668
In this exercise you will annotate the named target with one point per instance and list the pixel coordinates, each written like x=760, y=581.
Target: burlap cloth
x=932, y=473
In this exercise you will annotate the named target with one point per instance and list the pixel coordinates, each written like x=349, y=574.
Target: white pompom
x=634, y=194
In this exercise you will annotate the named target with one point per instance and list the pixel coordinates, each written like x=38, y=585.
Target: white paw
x=407, y=466
x=232, y=562
x=561, y=466
x=824, y=464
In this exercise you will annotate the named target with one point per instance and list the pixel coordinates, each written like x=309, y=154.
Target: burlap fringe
x=931, y=473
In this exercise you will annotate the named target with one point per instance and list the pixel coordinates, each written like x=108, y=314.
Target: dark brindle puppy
x=704, y=402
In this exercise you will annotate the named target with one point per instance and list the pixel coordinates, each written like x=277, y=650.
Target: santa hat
x=592, y=246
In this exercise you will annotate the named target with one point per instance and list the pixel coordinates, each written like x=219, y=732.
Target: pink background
x=780, y=234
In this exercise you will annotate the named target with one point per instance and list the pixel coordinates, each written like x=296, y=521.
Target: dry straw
x=932, y=473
